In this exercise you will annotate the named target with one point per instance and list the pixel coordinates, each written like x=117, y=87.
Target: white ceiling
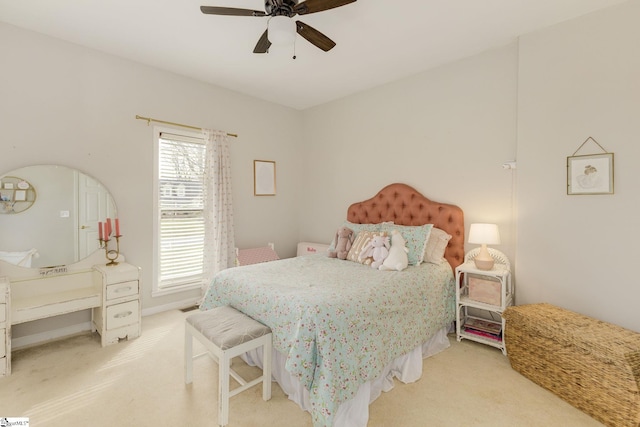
x=378, y=41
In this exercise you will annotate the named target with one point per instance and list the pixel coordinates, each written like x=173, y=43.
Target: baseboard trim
x=177, y=305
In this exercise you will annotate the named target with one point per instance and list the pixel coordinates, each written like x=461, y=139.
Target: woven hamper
x=593, y=365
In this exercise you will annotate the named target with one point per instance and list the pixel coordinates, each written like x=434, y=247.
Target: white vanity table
x=111, y=292
x=59, y=227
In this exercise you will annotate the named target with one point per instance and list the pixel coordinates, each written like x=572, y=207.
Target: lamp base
x=484, y=260
x=484, y=264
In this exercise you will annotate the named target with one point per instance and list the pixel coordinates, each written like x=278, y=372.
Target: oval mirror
x=61, y=226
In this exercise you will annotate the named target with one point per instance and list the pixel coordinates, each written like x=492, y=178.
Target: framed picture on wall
x=590, y=174
x=264, y=178
x=20, y=196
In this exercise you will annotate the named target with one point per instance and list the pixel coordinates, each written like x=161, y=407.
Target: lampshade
x=282, y=30
x=484, y=234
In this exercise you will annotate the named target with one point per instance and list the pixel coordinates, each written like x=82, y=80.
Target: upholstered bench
x=593, y=365
x=227, y=333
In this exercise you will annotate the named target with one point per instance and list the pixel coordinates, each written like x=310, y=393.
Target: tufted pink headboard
x=404, y=205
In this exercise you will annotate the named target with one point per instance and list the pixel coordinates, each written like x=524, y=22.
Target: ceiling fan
x=288, y=9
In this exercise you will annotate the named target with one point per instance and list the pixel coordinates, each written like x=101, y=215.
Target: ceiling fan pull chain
x=294, y=48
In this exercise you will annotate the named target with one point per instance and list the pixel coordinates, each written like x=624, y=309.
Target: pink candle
x=117, y=227
x=108, y=227
x=104, y=232
x=100, y=230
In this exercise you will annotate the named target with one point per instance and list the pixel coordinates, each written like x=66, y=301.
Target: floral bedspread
x=339, y=322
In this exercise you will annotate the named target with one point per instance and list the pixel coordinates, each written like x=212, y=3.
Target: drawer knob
x=128, y=288
x=123, y=314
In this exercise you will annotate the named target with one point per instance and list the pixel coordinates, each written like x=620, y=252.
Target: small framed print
x=20, y=196
x=590, y=174
x=264, y=178
x=8, y=186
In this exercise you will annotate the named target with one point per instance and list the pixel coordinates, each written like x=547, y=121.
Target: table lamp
x=484, y=234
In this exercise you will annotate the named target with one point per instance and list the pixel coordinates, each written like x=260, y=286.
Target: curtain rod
x=149, y=120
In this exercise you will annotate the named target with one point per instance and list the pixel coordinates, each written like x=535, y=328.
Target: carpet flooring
x=76, y=382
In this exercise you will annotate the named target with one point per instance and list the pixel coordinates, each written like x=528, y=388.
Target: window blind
x=180, y=202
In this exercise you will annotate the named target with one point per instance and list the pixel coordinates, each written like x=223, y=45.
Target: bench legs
x=223, y=358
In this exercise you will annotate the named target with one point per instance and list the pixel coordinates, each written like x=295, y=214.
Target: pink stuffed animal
x=377, y=248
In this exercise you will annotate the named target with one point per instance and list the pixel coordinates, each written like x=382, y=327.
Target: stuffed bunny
x=344, y=240
x=377, y=248
x=397, y=259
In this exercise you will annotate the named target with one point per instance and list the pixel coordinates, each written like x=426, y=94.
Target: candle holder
x=111, y=254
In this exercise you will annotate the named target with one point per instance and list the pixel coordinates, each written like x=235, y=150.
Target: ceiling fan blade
x=313, y=6
x=263, y=44
x=232, y=11
x=314, y=36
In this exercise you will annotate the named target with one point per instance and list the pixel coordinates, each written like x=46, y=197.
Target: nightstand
x=481, y=298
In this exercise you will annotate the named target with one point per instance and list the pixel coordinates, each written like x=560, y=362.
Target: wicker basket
x=593, y=365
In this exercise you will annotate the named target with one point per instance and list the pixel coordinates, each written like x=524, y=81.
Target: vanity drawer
x=120, y=290
x=123, y=314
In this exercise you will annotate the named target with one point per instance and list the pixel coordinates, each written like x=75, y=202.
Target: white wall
x=446, y=132
x=68, y=105
x=580, y=79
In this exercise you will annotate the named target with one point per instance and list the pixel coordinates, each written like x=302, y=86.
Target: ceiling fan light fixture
x=282, y=30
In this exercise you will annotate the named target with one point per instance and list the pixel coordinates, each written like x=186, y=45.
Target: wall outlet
x=64, y=214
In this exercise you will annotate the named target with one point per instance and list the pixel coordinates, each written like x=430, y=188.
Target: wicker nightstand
x=481, y=298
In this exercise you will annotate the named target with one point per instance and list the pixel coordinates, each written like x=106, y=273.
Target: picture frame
x=264, y=178
x=590, y=174
x=20, y=196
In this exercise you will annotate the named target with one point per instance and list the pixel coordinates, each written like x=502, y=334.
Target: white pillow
x=436, y=245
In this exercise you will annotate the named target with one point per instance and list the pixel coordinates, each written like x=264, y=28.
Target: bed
x=341, y=329
x=19, y=258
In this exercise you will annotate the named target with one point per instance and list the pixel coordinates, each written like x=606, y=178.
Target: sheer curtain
x=219, y=247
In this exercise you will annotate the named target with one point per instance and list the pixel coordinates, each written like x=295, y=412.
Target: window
x=179, y=222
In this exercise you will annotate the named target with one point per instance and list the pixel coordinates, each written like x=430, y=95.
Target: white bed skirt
x=355, y=413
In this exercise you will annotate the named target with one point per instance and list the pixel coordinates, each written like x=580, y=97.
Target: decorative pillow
x=358, y=245
x=357, y=228
x=436, y=245
x=416, y=237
